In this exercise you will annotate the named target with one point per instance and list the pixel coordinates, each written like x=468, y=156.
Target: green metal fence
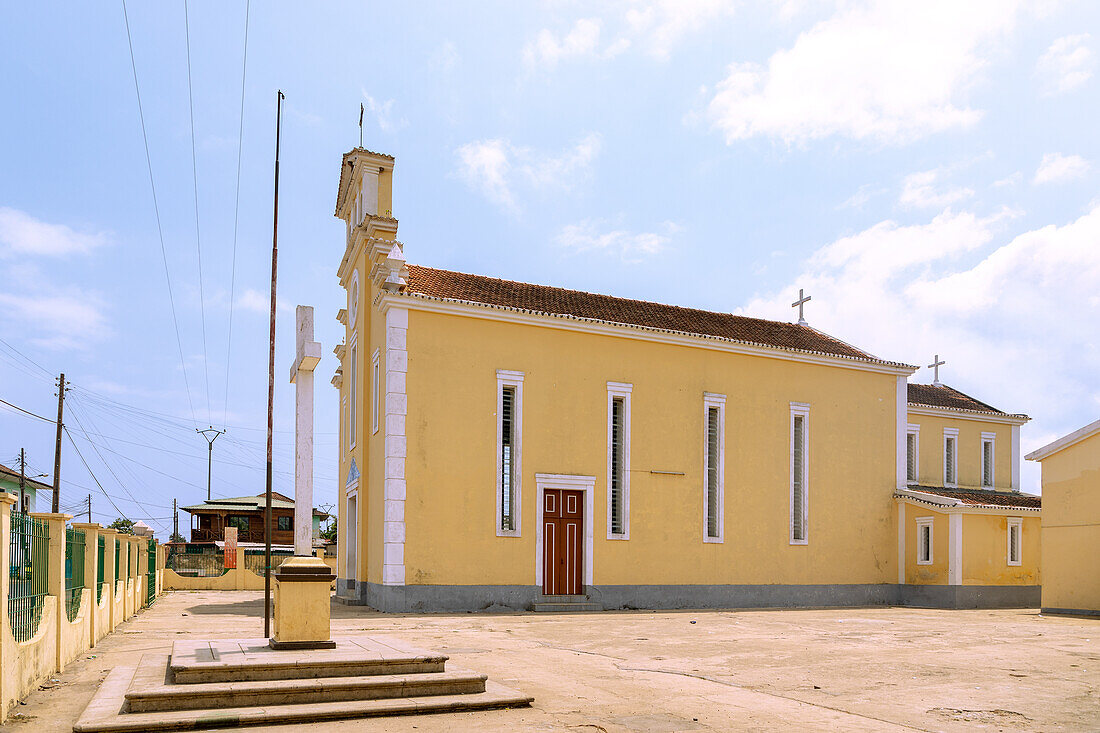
x=254, y=560
x=151, y=578
x=118, y=570
x=100, y=562
x=74, y=571
x=30, y=551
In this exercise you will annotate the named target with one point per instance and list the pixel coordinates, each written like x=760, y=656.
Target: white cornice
x=1064, y=442
x=932, y=411
x=470, y=309
x=947, y=505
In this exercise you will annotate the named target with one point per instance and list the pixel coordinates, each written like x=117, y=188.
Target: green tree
x=123, y=525
x=176, y=537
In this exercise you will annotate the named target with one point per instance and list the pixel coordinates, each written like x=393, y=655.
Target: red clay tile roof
x=984, y=497
x=944, y=396
x=558, y=301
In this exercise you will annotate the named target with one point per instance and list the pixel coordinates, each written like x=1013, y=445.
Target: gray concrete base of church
x=1072, y=611
x=350, y=593
x=970, y=596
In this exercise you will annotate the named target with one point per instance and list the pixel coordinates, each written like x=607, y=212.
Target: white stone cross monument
x=302, y=582
x=307, y=356
x=802, y=301
x=936, y=364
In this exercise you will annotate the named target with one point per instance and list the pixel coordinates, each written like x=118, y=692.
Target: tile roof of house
x=246, y=504
x=984, y=497
x=932, y=395
x=445, y=284
x=10, y=474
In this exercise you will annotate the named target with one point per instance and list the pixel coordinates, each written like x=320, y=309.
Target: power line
x=92, y=474
x=236, y=219
x=195, y=179
x=28, y=412
x=156, y=210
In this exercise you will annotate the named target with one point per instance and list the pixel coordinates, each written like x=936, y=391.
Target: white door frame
x=587, y=484
x=351, y=541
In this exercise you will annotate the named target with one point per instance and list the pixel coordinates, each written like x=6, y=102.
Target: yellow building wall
x=985, y=551
x=451, y=500
x=1071, y=527
x=936, y=573
x=969, y=448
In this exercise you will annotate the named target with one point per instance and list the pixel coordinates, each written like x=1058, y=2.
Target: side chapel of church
x=526, y=446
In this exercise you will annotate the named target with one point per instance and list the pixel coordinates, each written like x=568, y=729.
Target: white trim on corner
x=396, y=447
x=1015, y=476
x=901, y=436
x=353, y=391
x=800, y=409
x=470, y=309
x=717, y=401
x=587, y=484
x=954, y=549
x=991, y=438
x=901, y=542
x=1016, y=523
x=923, y=522
x=951, y=433
x=508, y=378
x=375, y=388
x=620, y=390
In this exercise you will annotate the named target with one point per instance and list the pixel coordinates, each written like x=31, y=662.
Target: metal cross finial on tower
x=360, y=124
x=802, y=300
x=936, y=364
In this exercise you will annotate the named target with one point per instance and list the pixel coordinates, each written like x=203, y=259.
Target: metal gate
x=151, y=578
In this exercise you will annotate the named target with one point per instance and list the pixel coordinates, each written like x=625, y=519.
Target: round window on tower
x=353, y=298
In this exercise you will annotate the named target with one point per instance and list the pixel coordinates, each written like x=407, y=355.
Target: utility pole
x=57, y=448
x=209, y=451
x=89, y=508
x=271, y=373
x=175, y=521
x=22, y=480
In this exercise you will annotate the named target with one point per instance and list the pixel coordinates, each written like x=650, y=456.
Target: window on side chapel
x=1015, y=535
x=912, y=454
x=509, y=454
x=714, y=441
x=987, y=459
x=950, y=457
x=924, y=541
x=799, y=417
x=618, y=460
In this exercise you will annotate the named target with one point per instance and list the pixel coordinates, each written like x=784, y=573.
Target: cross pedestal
x=302, y=583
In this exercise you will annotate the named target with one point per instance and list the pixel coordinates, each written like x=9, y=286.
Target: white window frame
x=991, y=439
x=718, y=402
x=375, y=378
x=1017, y=524
x=951, y=434
x=913, y=430
x=353, y=390
x=619, y=390
x=514, y=379
x=344, y=420
x=930, y=523
x=800, y=409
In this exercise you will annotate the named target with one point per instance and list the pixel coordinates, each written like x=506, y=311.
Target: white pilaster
x=902, y=431
x=954, y=549
x=901, y=542
x=396, y=407
x=301, y=376
x=1015, y=457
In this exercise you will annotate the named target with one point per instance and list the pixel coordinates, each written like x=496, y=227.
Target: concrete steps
x=564, y=604
x=224, y=683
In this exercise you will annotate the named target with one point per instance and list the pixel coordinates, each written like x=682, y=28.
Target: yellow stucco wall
x=1071, y=527
x=27, y=663
x=985, y=551
x=936, y=573
x=969, y=447
x=451, y=505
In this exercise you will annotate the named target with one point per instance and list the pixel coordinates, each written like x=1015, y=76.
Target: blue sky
x=928, y=172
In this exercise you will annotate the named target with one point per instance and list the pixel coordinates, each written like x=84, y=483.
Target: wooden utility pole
x=57, y=448
x=175, y=521
x=89, y=508
x=271, y=373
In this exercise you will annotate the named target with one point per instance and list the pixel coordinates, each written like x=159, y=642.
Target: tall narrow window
x=353, y=392
x=509, y=451
x=1015, y=535
x=375, y=379
x=950, y=456
x=618, y=460
x=912, y=454
x=987, y=459
x=800, y=414
x=924, y=541
x=714, y=450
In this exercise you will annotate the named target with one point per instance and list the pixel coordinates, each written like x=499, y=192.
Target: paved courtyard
x=879, y=669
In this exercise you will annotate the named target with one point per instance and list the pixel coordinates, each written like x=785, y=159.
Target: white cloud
x=919, y=190
x=254, y=301
x=594, y=235
x=495, y=168
x=445, y=57
x=1066, y=65
x=660, y=25
x=1056, y=168
x=546, y=50
x=22, y=234
x=55, y=320
x=381, y=112
x=886, y=71
x=1006, y=315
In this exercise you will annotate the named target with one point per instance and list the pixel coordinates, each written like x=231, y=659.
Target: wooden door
x=562, y=531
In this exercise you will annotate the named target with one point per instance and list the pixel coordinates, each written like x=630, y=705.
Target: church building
x=530, y=447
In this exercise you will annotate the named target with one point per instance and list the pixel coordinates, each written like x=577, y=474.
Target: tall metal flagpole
x=271, y=374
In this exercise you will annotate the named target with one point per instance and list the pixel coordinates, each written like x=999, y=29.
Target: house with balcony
x=210, y=519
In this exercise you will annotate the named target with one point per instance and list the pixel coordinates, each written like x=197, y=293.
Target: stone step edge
x=496, y=696
x=306, y=685
x=220, y=671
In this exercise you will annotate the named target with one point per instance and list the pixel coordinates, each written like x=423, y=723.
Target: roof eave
x=1002, y=417
x=1064, y=442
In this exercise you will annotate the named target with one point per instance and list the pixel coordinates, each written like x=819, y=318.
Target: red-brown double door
x=562, y=533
